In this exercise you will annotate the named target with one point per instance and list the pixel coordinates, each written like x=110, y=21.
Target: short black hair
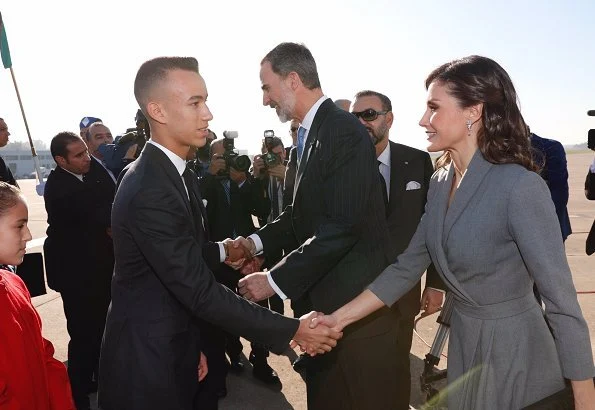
x=153, y=71
x=61, y=141
x=384, y=100
x=288, y=57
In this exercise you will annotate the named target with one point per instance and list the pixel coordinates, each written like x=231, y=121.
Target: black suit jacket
x=405, y=209
x=550, y=155
x=150, y=351
x=335, y=228
x=78, y=250
x=6, y=173
x=590, y=194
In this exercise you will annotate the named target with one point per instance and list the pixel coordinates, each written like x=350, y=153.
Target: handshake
x=317, y=333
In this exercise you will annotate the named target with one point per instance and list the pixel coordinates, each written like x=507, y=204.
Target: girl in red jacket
x=30, y=377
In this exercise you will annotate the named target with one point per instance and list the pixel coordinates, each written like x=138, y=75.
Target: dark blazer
x=224, y=217
x=551, y=156
x=78, y=250
x=150, y=350
x=405, y=209
x=6, y=174
x=335, y=228
x=590, y=194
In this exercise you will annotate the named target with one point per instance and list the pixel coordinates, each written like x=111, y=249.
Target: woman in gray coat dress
x=491, y=230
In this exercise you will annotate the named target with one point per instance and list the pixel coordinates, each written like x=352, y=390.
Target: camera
x=230, y=155
x=113, y=154
x=270, y=158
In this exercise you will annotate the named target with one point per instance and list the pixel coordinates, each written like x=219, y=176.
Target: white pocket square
x=204, y=202
x=412, y=185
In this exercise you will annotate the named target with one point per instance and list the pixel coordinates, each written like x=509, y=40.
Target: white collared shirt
x=180, y=165
x=384, y=167
x=78, y=176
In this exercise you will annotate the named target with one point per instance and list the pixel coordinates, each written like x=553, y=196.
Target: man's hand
x=431, y=301
x=315, y=339
x=237, y=176
x=278, y=171
x=258, y=167
x=240, y=241
x=252, y=266
x=255, y=287
x=217, y=164
x=203, y=368
x=236, y=255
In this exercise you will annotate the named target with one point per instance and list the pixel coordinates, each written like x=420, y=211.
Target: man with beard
x=405, y=174
x=335, y=232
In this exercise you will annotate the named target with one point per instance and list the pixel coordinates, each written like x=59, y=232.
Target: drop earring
x=468, y=127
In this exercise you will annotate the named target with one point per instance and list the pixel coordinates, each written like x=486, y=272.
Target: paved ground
x=247, y=393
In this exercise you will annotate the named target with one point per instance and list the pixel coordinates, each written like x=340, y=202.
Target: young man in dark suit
x=336, y=233
x=405, y=174
x=79, y=256
x=161, y=282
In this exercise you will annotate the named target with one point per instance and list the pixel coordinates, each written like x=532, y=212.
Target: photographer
x=232, y=197
x=270, y=167
x=199, y=159
x=126, y=148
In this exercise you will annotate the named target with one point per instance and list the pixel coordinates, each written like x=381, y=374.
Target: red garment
x=30, y=377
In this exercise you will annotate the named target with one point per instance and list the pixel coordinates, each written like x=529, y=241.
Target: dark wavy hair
x=502, y=137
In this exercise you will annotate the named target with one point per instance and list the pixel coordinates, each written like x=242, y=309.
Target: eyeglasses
x=369, y=115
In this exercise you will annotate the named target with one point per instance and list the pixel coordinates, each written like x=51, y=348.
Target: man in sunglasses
x=335, y=233
x=405, y=174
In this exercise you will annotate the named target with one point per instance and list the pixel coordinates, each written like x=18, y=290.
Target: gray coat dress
x=498, y=236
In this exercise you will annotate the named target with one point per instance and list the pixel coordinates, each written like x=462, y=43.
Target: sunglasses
x=369, y=115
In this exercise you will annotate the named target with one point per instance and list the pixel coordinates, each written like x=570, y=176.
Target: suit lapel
x=311, y=143
x=169, y=170
x=476, y=171
x=436, y=220
x=398, y=170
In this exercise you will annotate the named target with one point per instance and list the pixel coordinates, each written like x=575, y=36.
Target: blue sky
x=77, y=58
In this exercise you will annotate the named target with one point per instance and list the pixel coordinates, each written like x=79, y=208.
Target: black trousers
x=85, y=309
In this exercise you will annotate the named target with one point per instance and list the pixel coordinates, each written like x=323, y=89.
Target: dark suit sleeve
x=590, y=185
x=557, y=171
x=433, y=279
x=346, y=189
x=160, y=229
x=253, y=193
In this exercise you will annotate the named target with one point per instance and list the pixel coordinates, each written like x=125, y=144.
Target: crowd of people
x=164, y=265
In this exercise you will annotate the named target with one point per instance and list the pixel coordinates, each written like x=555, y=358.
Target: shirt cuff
x=275, y=287
x=592, y=167
x=221, y=252
x=257, y=243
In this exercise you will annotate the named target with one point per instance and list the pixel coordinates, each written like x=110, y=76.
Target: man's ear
x=389, y=119
x=61, y=161
x=294, y=80
x=156, y=112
